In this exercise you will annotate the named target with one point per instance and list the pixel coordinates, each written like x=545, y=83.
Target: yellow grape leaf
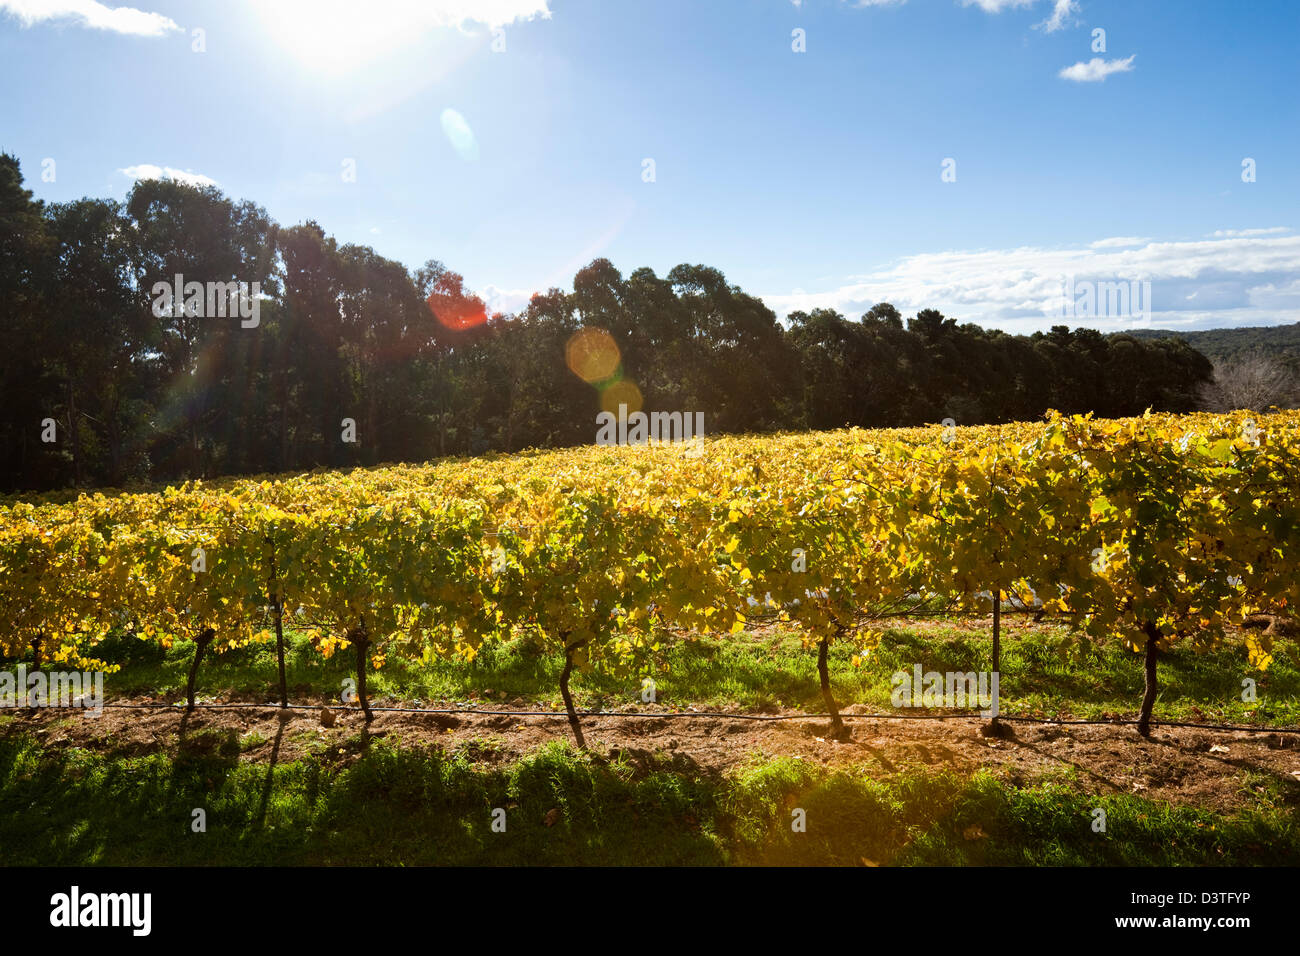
x=1260, y=654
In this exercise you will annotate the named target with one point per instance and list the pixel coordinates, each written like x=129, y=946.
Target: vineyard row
x=1151, y=531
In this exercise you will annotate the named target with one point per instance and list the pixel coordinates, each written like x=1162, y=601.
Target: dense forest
x=102, y=387
x=1281, y=342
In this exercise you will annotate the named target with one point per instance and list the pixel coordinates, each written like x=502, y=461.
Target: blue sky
x=809, y=178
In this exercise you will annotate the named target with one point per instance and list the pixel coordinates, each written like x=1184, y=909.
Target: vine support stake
x=279, y=650
x=997, y=630
x=277, y=606
x=993, y=727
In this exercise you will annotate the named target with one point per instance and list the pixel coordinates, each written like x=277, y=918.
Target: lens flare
x=592, y=355
x=621, y=392
x=458, y=132
x=457, y=313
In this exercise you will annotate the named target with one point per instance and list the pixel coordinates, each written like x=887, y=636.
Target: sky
x=972, y=156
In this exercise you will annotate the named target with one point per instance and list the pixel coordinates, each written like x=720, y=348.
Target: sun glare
x=339, y=36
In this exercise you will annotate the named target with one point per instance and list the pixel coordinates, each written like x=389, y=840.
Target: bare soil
x=1210, y=769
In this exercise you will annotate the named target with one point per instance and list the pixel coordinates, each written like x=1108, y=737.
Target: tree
x=99, y=335
x=423, y=369
x=203, y=236
x=1251, y=382
x=26, y=391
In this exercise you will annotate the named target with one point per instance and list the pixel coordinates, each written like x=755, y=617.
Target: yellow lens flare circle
x=621, y=392
x=592, y=355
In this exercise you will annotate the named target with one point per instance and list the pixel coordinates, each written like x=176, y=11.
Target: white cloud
x=996, y=6
x=150, y=171
x=1062, y=13
x=342, y=36
x=1233, y=233
x=490, y=13
x=1118, y=242
x=1235, y=280
x=507, y=301
x=91, y=14
x=1096, y=69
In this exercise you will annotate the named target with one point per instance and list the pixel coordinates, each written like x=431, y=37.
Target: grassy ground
x=1043, y=673
x=370, y=802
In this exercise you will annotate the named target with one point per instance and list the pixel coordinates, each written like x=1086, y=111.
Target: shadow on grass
x=371, y=804
x=368, y=802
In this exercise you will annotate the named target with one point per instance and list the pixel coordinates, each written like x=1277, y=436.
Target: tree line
x=1278, y=342
x=133, y=394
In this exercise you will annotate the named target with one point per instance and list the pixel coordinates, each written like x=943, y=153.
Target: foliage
x=1167, y=528
x=142, y=394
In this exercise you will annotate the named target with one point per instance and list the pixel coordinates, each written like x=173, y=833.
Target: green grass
x=376, y=802
x=1044, y=672
x=368, y=802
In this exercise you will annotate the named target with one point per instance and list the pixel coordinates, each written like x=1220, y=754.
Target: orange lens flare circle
x=457, y=314
x=592, y=355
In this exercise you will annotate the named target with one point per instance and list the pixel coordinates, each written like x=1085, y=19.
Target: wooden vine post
x=277, y=609
x=993, y=727
x=997, y=631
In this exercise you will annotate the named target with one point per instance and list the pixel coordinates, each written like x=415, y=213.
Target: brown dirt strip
x=1203, y=768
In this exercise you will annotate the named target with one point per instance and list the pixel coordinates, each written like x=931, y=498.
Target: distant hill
x=1219, y=344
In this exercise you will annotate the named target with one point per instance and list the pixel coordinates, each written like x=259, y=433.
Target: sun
x=341, y=36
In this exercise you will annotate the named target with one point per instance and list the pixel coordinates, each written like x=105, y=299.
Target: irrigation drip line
x=704, y=714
